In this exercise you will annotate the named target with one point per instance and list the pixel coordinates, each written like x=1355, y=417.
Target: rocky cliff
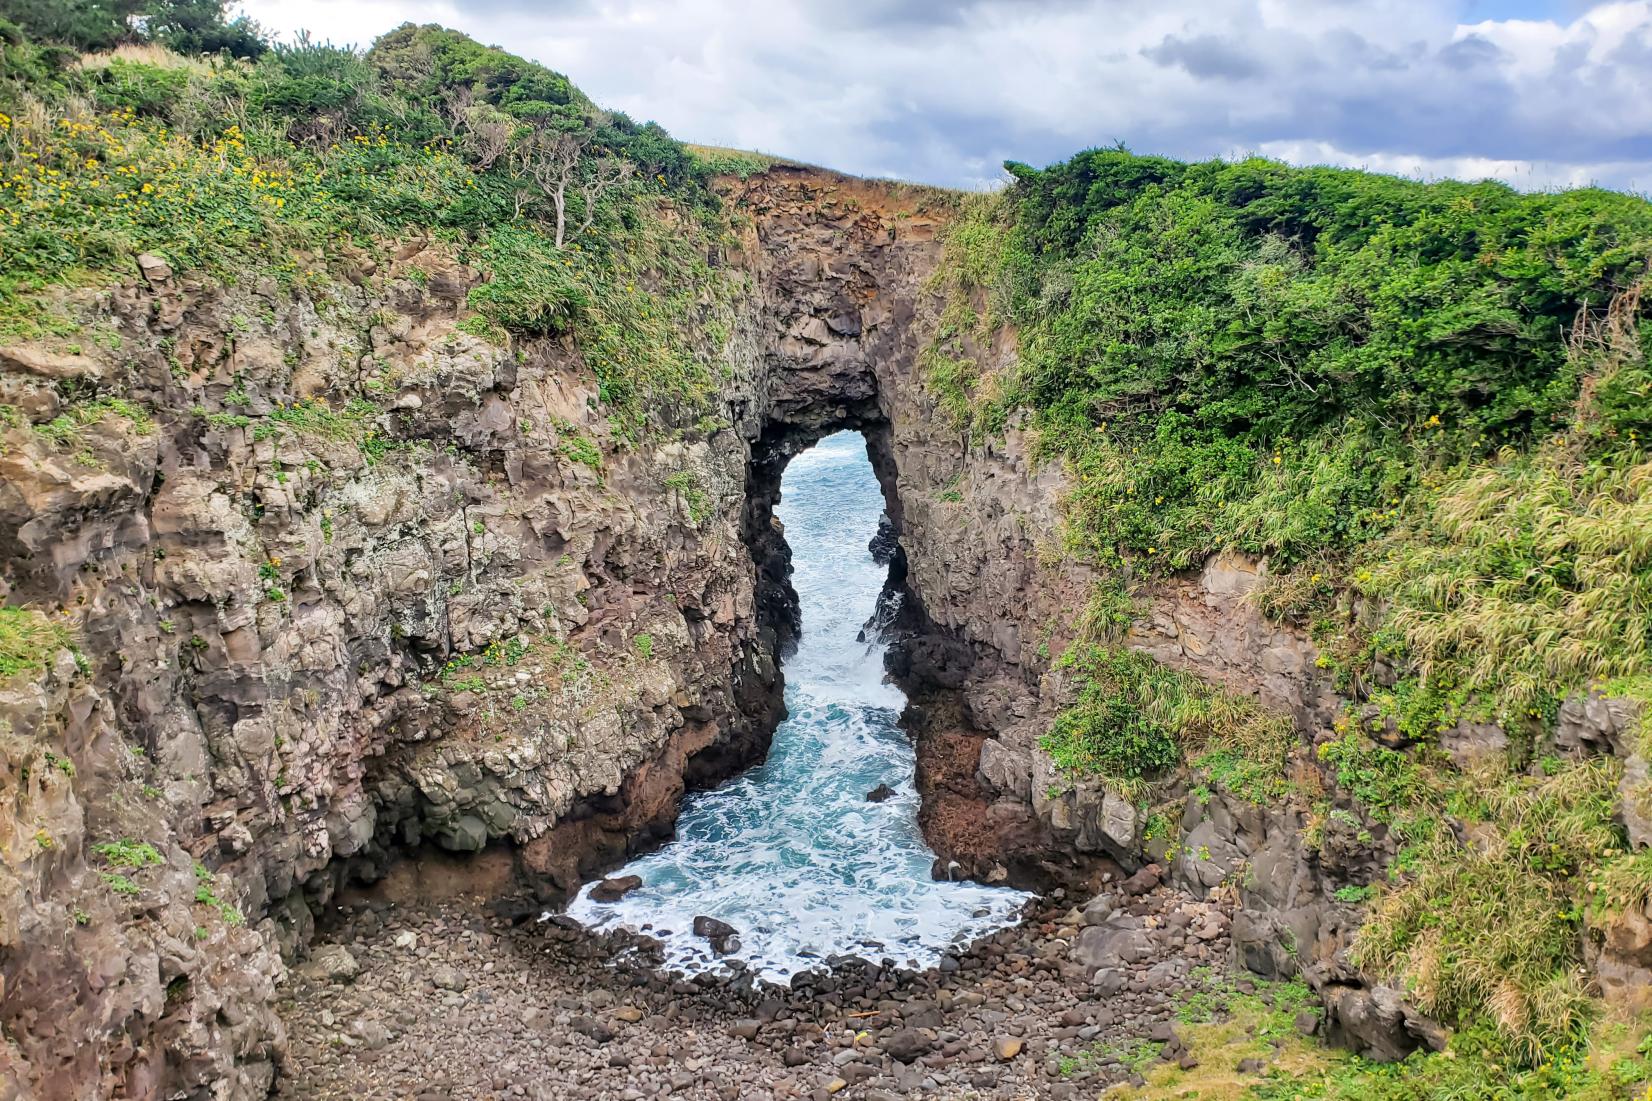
x=330, y=584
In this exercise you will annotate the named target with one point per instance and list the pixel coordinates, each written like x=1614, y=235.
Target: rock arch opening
x=817, y=851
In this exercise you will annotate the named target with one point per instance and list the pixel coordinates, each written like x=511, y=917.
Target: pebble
x=453, y=1004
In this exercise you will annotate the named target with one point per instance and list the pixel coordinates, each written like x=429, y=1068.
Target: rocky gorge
x=365, y=637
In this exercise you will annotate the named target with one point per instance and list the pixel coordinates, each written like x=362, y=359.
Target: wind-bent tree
x=554, y=160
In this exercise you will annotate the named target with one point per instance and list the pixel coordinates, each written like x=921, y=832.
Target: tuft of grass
x=28, y=641
x=126, y=853
x=65, y=430
x=1489, y=930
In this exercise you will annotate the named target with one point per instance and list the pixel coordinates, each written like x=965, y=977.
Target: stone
x=154, y=268
x=1377, y=1022
x=449, y=978
x=1143, y=880
x=612, y=890
x=592, y=1028
x=907, y=1045
x=711, y=928
x=372, y=1034
x=1005, y=1048
x=880, y=793
x=57, y=366
x=331, y=963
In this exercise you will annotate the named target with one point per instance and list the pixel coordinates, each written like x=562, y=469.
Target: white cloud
x=943, y=91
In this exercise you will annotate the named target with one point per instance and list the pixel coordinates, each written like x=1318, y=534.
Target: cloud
x=944, y=92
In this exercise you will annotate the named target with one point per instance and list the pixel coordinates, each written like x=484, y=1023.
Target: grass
x=1489, y=930
x=1134, y=719
x=28, y=642
x=66, y=430
x=1222, y=1026
x=126, y=853
x=720, y=160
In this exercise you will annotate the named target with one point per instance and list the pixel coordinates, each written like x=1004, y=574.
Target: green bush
x=531, y=289
x=1246, y=354
x=1134, y=719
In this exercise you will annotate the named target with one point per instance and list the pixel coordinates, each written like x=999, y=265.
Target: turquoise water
x=791, y=853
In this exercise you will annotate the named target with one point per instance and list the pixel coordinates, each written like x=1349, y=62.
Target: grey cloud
x=941, y=92
x=1205, y=55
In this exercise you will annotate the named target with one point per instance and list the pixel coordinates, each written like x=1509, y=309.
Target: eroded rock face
x=318, y=635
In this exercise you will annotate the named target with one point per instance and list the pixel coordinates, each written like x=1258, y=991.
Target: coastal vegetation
x=1425, y=405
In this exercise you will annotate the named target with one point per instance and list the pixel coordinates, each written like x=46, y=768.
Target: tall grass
x=1528, y=578
x=1488, y=926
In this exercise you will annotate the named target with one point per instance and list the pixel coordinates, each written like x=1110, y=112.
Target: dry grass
x=149, y=54
x=1484, y=928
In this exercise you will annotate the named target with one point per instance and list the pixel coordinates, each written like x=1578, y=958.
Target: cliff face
x=318, y=635
x=321, y=637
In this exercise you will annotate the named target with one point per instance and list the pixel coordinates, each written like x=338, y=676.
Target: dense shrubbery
x=189, y=26
x=224, y=166
x=1197, y=337
x=1426, y=405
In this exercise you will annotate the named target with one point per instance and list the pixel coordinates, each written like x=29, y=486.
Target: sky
x=1540, y=93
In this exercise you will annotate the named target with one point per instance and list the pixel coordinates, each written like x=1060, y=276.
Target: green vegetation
x=193, y=26
x=645, y=645
x=1222, y=1026
x=1491, y=930
x=582, y=450
x=686, y=484
x=1249, y=355
x=28, y=641
x=126, y=853
x=1134, y=719
x=205, y=895
x=1426, y=404
x=717, y=160
x=581, y=219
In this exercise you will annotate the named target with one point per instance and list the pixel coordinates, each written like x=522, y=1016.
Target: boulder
x=612, y=890
x=330, y=963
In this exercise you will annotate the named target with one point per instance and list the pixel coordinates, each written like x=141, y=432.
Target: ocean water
x=791, y=853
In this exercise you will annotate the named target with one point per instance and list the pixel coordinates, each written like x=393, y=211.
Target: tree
x=553, y=159
x=189, y=26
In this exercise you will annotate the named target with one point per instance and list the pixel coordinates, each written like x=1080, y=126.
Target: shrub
x=530, y=289
x=1134, y=719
